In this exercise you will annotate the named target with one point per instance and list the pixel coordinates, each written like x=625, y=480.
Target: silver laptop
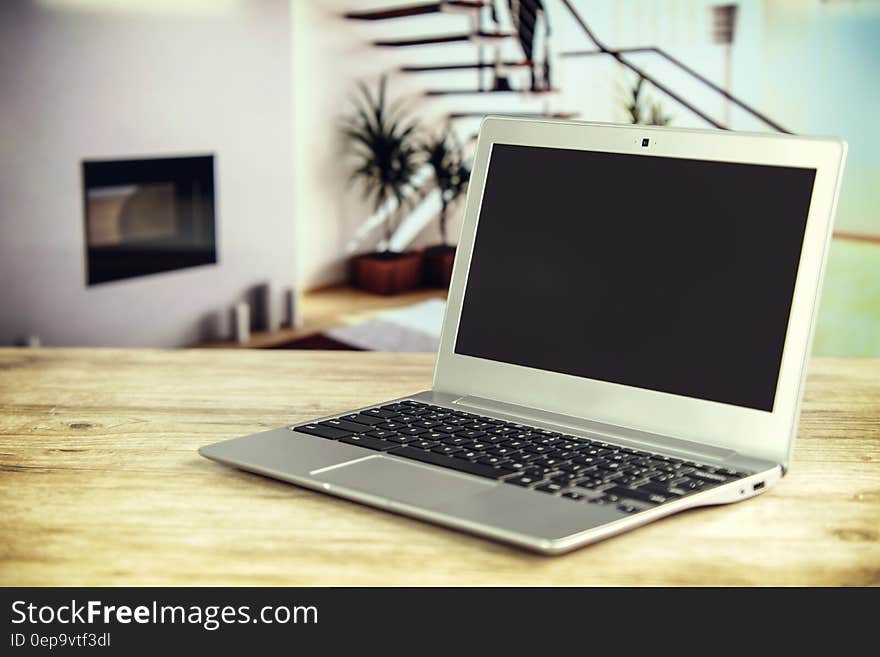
x=626, y=337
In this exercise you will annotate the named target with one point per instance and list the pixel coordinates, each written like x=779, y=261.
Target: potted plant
x=635, y=107
x=385, y=157
x=451, y=175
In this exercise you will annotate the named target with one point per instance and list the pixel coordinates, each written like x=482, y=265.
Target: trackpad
x=401, y=481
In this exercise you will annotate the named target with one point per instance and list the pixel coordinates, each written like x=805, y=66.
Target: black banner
x=126, y=620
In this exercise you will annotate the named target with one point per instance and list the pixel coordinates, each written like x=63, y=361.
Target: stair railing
x=619, y=55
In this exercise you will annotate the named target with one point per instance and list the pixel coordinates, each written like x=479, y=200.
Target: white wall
x=96, y=79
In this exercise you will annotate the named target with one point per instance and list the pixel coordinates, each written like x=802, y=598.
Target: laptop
x=626, y=337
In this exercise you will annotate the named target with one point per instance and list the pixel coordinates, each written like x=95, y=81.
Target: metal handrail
x=618, y=54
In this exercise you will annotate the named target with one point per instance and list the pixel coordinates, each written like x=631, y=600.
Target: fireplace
x=147, y=216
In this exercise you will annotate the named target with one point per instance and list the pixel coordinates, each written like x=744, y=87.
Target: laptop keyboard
x=552, y=463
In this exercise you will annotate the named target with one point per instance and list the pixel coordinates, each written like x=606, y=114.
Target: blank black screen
x=667, y=274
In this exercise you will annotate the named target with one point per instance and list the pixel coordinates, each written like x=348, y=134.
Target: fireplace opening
x=147, y=216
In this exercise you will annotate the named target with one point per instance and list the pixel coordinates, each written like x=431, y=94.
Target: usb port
x=758, y=486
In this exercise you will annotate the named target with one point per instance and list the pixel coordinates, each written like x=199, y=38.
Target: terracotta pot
x=438, y=261
x=387, y=273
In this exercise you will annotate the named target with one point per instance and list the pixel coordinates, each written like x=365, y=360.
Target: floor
x=327, y=307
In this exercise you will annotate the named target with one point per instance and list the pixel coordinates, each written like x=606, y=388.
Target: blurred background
x=291, y=173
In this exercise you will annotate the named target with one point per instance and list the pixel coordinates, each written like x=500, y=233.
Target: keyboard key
x=660, y=489
x=364, y=419
x=391, y=426
x=454, y=464
x=573, y=495
x=708, y=476
x=397, y=408
x=378, y=412
x=421, y=443
x=425, y=424
x=323, y=432
x=400, y=440
x=381, y=433
x=539, y=470
x=565, y=477
x=449, y=450
x=686, y=484
x=548, y=462
x=370, y=443
x=468, y=454
x=345, y=425
x=492, y=460
x=549, y=488
x=470, y=433
x=580, y=469
x=590, y=483
x=476, y=444
x=491, y=438
x=522, y=480
x=411, y=431
x=480, y=426
x=637, y=494
x=420, y=412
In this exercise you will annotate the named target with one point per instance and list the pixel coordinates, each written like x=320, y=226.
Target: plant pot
x=438, y=261
x=387, y=273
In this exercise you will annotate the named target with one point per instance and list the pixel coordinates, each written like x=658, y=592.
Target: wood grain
x=101, y=485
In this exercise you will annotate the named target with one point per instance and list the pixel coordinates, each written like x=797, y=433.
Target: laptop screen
x=667, y=274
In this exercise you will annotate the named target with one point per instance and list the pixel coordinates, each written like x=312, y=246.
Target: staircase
x=487, y=43
x=484, y=42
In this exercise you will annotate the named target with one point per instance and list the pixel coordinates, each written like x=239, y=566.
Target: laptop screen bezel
x=756, y=433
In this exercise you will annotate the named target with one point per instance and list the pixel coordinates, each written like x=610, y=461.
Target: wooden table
x=101, y=485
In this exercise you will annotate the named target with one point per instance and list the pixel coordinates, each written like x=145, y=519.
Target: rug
x=414, y=328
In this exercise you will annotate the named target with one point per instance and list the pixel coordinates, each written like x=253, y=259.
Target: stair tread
x=411, y=10
x=447, y=38
x=461, y=92
x=461, y=66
